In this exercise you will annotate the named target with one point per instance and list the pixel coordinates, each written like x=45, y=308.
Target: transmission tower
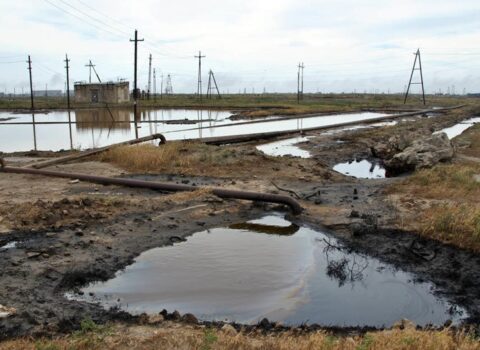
x=149, y=76
x=199, y=86
x=161, y=88
x=169, y=88
x=300, y=82
x=417, y=57
x=154, y=85
x=211, y=82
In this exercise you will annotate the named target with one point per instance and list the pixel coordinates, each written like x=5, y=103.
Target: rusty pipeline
x=167, y=187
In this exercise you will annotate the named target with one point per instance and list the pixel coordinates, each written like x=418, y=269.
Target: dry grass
x=451, y=208
x=447, y=182
x=189, y=158
x=472, y=137
x=453, y=223
x=179, y=156
x=185, y=337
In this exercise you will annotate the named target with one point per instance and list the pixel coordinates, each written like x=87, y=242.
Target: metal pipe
x=168, y=187
x=94, y=151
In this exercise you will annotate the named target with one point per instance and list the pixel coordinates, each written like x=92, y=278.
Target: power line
x=105, y=15
x=93, y=18
x=81, y=19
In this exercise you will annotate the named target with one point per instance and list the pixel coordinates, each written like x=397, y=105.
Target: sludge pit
x=271, y=268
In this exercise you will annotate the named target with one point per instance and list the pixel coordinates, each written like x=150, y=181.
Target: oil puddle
x=270, y=268
x=361, y=169
x=459, y=128
x=285, y=148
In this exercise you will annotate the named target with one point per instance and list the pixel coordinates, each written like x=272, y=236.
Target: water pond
x=271, y=268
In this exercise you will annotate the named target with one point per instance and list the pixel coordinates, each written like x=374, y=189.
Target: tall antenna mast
x=417, y=57
x=199, y=86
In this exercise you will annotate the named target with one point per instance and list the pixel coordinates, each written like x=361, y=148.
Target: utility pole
x=199, y=86
x=417, y=57
x=154, y=85
x=31, y=84
x=135, y=95
x=90, y=65
x=149, y=76
x=68, y=81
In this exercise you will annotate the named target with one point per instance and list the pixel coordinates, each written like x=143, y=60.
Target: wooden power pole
x=31, y=83
x=68, y=80
x=135, y=92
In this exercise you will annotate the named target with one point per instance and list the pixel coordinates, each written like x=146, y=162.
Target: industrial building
x=102, y=92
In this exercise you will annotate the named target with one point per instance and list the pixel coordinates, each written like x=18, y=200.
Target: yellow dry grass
x=453, y=182
x=177, y=157
x=453, y=223
x=185, y=337
x=472, y=138
x=452, y=193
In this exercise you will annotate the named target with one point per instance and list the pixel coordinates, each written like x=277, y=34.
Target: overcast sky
x=346, y=45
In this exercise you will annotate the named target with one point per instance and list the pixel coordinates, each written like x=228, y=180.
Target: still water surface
x=271, y=268
x=98, y=127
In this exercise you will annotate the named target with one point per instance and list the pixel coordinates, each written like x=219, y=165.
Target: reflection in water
x=362, y=169
x=240, y=274
x=34, y=132
x=52, y=129
x=348, y=268
x=268, y=229
x=102, y=119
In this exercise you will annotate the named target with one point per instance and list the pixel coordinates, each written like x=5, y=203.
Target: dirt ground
x=69, y=233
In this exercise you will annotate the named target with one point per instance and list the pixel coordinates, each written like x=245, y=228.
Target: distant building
x=102, y=92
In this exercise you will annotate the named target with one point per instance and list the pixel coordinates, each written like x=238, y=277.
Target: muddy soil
x=94, y=231
x=45, y=264
x=349, y=145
